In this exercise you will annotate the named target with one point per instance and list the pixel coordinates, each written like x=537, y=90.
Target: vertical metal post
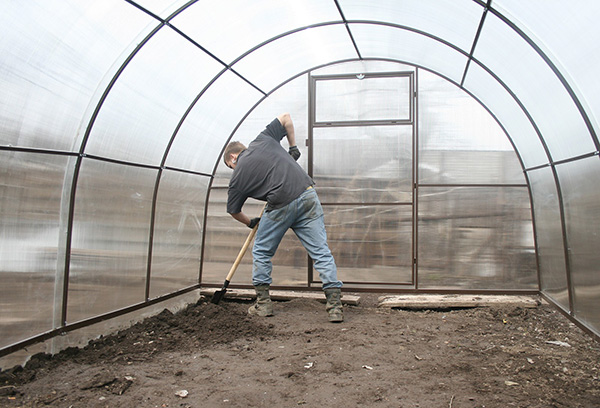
x=415, y=192
x=312, y=85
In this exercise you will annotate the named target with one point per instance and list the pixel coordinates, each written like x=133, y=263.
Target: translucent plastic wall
x=431, y=196
x=468, y=137
x=552, y=78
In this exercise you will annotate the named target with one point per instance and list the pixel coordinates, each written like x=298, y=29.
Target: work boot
x=334, y=305
x=263, y=306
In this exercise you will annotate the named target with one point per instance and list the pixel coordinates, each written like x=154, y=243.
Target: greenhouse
x=453, y=145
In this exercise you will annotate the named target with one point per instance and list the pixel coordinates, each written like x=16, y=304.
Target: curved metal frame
x=80, y=155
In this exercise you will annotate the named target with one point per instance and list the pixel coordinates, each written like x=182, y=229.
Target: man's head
x=231, y=153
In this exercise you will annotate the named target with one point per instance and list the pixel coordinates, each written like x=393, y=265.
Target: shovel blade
x=217, y=296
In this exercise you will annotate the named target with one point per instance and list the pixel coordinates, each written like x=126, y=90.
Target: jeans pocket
x=311, y=206
x=277, y=215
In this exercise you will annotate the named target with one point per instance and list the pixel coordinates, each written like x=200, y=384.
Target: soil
x=218, y=356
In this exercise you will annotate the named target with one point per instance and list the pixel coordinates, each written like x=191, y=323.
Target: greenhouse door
x=361, y=155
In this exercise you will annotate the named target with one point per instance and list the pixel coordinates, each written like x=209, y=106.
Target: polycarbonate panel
x=549, y=235
x=475, y=238
x=230, y=28
x=141, y=112
x=225, y=237
x=370, y=244
x=30, y=194
x=363, y=67
x=202, y=136
x=455, y=21
x=374, y=41
x=459, y=141
x=178, y=229
x=291, y=98
x=522, y=133
x=581, y=199
x=551, y=24
x=273, y=63
x=531, y=79
x=363, y=98
x=469, y=167
x=111, y=229
x=56, y=58
x=162, y=8
x=368, y=164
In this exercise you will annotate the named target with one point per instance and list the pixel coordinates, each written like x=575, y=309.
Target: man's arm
x=244, y=219
x=241, y=217
x=286, y=121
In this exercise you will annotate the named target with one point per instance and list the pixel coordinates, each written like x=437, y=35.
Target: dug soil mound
x=217, y=356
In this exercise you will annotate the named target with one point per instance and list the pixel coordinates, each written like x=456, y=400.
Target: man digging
x=266, y=172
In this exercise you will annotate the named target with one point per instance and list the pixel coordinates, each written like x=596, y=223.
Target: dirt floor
x=217, y=356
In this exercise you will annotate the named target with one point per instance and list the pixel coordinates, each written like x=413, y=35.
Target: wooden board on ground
x=422, y=301
x=280, y=295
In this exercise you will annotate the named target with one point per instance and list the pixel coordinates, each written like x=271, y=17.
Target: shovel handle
x=244, y=249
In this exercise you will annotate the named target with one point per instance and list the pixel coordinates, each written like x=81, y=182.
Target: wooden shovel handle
x=244, y=248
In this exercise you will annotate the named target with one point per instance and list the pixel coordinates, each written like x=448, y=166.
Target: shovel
x=218, y=295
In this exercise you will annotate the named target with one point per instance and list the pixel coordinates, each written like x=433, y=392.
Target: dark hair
x=232, y=148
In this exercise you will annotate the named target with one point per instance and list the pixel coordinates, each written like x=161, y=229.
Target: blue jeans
x=304, y=216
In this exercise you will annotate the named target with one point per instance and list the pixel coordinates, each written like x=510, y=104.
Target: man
x=266, y=172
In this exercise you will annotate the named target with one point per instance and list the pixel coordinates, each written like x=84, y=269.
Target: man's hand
x=294, y=152
x=253, y=222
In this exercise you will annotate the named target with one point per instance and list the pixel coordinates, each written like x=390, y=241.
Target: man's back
x=266, y=172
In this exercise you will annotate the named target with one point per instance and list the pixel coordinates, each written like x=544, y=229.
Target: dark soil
x=217, y=356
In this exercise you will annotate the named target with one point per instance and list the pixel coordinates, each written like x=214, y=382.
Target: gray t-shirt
x=266, y=171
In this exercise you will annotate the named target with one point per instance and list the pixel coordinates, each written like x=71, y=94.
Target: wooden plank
x=455, y=301
x=281, y=295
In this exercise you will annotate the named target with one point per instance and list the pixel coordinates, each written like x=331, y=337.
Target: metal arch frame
x=487, y=7
x=160, y=168
x=63, y=326
x=416, y=108
x=406, y=290
x=553, y=164
x=79, y=156
x=551, y=161
x=70, y=327
x=79, y=162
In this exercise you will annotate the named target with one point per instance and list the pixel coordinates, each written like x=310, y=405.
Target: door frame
x=410, y=121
